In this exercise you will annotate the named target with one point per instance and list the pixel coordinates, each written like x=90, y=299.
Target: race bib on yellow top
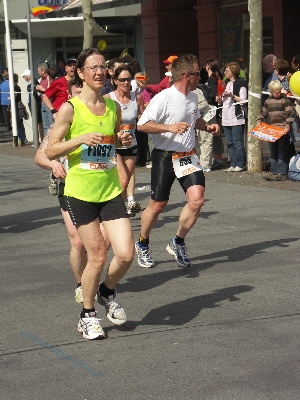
x=101, y=157
x=185, y=163
x=127, y=128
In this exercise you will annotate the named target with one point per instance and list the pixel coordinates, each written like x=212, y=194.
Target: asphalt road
x=225, y=328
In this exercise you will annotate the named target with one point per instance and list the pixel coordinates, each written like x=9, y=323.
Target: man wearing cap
x=164, y=83
x=27, y=76
x=58, y=91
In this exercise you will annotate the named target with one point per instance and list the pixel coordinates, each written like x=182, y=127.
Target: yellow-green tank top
x=92, y=185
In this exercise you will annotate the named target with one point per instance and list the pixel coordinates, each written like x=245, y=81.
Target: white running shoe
x=230, y=169
x=89, y=327
x=53, y=186
x=238, y=169
x=179, y=252
x=133, y=208
x=114, y=312
x=144, y=257
x=78, y=294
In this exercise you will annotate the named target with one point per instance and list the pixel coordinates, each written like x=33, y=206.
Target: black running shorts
x=163, y=176
x=84, y=212
x=61, y=197
x=129, y=152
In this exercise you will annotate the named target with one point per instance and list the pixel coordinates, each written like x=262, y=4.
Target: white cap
x=27, y=72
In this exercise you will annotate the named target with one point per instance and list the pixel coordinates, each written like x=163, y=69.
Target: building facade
x=151, y=30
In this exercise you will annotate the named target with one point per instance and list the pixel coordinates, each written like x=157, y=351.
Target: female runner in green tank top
x=90, y=126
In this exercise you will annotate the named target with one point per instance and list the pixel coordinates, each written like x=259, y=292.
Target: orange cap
x=170, y=59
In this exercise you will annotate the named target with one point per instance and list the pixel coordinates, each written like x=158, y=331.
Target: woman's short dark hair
x=120, y=69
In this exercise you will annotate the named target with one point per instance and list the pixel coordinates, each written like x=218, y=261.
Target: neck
x=121, y=94
x=182, y=87
x=89, y=95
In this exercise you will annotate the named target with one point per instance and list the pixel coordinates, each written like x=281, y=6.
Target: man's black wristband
x=53, y=111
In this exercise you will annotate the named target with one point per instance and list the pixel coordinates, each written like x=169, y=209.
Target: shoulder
x=112, y=104
x=68, y=108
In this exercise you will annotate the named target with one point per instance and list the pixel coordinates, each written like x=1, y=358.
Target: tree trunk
x=254, y=146
x=87, y=23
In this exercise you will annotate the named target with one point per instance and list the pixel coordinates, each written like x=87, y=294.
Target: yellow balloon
x=295, y=83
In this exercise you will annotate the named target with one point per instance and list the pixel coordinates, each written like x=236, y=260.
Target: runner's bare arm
x=201, y=124
x=140, y=104
x=124, y=137
x=43, y=161
x=56, y=147
x=154, y=128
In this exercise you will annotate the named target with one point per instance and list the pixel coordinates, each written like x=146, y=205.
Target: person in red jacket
x=164, y=83
x=58, y=92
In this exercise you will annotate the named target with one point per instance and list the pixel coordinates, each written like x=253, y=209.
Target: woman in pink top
x=233, y=116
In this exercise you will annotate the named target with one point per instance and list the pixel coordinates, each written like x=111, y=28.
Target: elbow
x=37, y=160
x=49, y=155
x=139, y=128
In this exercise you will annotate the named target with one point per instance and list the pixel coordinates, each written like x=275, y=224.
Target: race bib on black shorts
x=185, y=163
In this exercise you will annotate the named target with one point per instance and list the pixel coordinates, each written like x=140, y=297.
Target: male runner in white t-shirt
x=171, y=119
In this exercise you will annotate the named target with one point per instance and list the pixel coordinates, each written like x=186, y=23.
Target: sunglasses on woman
x=124, y=79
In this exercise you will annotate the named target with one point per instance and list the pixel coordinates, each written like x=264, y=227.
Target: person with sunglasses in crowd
x=172, y=127
x=132, y=107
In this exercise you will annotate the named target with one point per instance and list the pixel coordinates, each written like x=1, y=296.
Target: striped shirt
x=280, y=111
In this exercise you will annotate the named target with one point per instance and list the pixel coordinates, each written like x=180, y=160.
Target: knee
x=157, y=207
x=97, y=261
x=125, y=258
x=196, y=203
x=77, y=246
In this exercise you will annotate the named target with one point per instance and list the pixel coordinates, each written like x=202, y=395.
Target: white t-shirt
x=169, y=107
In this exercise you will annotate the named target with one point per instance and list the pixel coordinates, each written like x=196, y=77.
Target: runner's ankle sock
x=144, y=242
x=86, y=311
x=178, y=240
x=130, y=199
x=105, y=291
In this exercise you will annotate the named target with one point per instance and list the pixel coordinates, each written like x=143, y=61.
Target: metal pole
x=10, y=74
x=33, y=101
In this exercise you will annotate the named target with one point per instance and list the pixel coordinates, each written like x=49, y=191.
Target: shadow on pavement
x=27, y=221
x=182, y=312
x=151, y=280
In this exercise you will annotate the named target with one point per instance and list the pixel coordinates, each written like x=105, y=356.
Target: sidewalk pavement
x=225, y=328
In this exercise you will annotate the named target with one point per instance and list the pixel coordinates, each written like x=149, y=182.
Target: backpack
x=294, y=168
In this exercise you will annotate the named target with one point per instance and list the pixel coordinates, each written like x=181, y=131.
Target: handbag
x=23, y=114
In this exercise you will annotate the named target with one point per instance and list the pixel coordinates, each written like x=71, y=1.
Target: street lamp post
x=10, y=74
x=33, y=102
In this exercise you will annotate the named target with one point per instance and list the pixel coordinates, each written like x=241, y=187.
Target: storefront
x=59, y=34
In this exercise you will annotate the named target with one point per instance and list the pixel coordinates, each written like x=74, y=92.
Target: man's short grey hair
x=183, y=64
x=270, y=58
x=43, y=66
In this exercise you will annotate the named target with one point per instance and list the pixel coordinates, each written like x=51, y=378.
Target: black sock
x=86, y=311
x=104, y=291
x=178, y=240
x=78, y=284
x=144, y=242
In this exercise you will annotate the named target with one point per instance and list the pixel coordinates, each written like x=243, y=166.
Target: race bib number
x=185, y=163
x=127, y=128
x=99, y=158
